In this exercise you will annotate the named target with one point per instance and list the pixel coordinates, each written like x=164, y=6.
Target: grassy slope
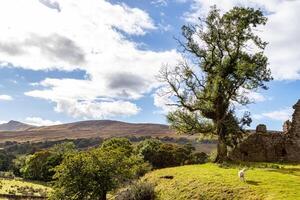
x=210, y=181
x=8, y=184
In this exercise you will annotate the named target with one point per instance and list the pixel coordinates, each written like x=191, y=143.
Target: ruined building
x=295, y=125
x=272, y=147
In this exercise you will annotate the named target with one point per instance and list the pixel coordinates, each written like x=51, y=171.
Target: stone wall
x=272, y=147
x=295, y=126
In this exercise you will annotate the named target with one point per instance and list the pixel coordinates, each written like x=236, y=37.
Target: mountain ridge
x=13, y=125
x=85, y=129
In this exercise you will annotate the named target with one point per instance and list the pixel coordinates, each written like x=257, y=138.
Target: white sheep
x=241, y=174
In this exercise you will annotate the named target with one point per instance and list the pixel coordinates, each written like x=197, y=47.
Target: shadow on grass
x=252, y=182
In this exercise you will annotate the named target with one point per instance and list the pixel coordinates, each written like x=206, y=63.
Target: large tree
x=224, y=58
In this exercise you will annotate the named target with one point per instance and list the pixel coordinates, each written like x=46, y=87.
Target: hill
x=87, y=129
x=14, y=126
x=209, y=181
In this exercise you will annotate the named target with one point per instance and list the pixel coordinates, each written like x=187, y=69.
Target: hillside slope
x=209, y=181
x=14, y=126
x=87, y=129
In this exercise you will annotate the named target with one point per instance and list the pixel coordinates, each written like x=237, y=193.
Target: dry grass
x=20, y=187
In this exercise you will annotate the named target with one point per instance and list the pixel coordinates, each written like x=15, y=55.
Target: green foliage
x=40, y=165
x=63, y=149
x=15, y=148
x=226, y=68
x=5, y=161
x=199, y=158
x=166, y=154
x=122, y=144
x=137, y=191
x=17, y=164
x=91, y=174
x=149, y=150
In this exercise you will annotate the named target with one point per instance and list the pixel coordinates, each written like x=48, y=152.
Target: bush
x=198, y=158
x=137, y=191
x=9, y=175
x=161, y=155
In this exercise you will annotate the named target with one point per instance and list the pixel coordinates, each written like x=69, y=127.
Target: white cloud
x=85, y=35
x=87, y=109
x=5, y=97
x=281, y=31
x=3, y=121
x=253, y=96
x=278, y=115
x=256, y=97
x=37, y=121
x=182, y=1
x=159, y=2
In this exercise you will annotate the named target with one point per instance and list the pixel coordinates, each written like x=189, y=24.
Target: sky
x=69, y=60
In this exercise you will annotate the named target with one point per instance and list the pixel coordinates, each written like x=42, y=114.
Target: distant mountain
x=85, y=129
x=14, y=126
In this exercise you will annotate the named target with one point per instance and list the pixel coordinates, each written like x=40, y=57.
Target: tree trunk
x=222, y=153
x=103, y=196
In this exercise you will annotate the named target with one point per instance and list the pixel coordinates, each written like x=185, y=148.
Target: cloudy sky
x=69, y=60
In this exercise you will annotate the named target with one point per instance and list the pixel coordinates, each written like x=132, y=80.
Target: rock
x=261, y=128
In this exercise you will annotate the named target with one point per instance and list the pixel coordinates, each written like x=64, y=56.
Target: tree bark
x=222, y=153
x=103, y=196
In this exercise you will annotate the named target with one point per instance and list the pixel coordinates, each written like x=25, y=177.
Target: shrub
x=137, y=191
x=198, y=158
x=162, y=155
x=9, y=175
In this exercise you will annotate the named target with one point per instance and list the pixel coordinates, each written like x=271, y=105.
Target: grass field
x=20, y=187
x=210, y=181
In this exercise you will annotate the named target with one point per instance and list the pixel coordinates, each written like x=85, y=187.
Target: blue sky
x=66, y=60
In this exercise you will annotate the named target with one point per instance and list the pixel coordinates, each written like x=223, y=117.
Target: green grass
x=13, y=186
x=210, y=181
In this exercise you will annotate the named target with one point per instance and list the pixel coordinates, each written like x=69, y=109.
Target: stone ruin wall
x=272, y=147
x=295, y=125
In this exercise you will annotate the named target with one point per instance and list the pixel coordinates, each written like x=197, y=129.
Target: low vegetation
x=14, y=187
x=137, y=191
x=211, y=181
